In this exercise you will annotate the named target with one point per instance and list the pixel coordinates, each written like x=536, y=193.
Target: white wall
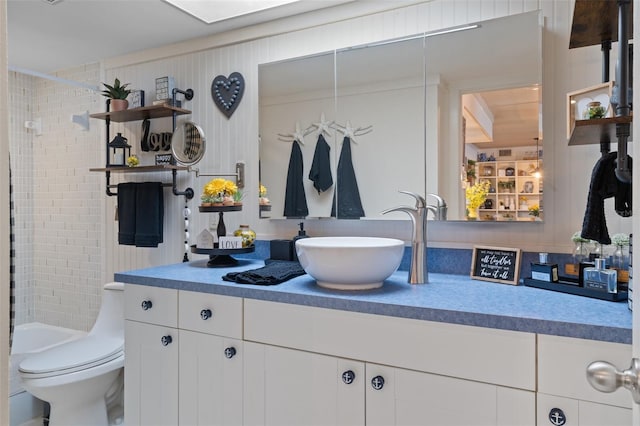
x=567, y=169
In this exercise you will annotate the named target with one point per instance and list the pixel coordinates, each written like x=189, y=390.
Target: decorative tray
x=219, y=258
x=570, y=285
x=215, y=209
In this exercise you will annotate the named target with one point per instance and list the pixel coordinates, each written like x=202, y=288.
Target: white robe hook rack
x=348, y=131
x=297, y=135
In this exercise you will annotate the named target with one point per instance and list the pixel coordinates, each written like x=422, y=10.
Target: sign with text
x=499, y=264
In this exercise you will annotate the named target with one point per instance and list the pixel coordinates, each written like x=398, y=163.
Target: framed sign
x=499, y=264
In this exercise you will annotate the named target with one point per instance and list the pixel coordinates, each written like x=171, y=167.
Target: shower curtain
x=12, y=267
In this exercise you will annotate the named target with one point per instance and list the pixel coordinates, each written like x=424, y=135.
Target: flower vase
x=580, y=253
x=620, y=260
x=473, y=214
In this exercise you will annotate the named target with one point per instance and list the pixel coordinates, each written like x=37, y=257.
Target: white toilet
x=77, y=378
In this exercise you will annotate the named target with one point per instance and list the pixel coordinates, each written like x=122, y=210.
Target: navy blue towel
x=604, y=184
x=346, y=200
x=320, y=172
x=140, y=214
x=275, y=272
x=295, y=199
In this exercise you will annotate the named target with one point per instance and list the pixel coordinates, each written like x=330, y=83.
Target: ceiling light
x=210, y=11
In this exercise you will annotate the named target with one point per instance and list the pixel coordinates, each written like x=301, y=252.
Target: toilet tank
x=110, y=321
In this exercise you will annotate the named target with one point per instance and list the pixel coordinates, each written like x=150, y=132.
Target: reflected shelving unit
x=601, y=22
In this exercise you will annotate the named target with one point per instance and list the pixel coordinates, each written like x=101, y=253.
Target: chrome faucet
x=440, y=209
x=418, y=214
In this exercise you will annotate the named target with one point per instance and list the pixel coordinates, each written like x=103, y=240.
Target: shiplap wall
x=567, y=169
x=230, y=140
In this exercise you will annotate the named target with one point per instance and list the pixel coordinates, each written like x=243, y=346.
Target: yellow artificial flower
x=534, y=210
x=132, y=161
x=262, y=191
x=477, y=194
x=219, y=187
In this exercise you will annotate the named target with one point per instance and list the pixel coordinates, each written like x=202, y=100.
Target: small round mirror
x=188, y=144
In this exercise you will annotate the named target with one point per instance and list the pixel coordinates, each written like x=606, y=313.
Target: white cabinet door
x=290, y=387
x=397, y=396
x=151, y=374
x=210, y=380
x=555, y=411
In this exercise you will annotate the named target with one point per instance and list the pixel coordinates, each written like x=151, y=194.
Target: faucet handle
x=421, y=203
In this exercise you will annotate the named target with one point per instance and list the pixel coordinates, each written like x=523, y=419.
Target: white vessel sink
x=349, y=263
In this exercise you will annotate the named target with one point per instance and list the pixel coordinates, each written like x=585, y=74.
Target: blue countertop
x=455, y=299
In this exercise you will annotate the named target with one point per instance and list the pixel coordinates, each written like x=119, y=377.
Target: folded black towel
x=127, y=213
x=275, y=272
x=149, y=214
x=604, y=184
x=320, y=172
x=140, y=214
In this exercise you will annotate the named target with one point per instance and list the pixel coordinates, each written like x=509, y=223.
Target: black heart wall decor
x=227, y=92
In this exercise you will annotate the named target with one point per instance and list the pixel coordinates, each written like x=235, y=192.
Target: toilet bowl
x=76, y=378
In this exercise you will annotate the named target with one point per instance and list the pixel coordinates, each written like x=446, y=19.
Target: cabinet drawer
x=210, y=313
x=500, y=357
x=154, y=305
x=563, y=362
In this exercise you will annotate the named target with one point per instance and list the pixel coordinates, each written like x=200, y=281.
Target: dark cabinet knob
x=557, y=417
x=377, y=382
x=165, y=340
x=205, y=314
x=146, y=305
x=230, y=352
x=348, y=377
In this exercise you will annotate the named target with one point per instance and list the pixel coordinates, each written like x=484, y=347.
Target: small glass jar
x=248, y=235
x=595, y=110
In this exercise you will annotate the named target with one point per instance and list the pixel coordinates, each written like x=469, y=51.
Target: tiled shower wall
x=21, y=96
x=59, y=202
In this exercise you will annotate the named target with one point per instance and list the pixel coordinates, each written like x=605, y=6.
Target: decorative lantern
x=119, y=150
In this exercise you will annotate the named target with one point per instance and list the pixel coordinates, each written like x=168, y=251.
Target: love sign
x=227, y=92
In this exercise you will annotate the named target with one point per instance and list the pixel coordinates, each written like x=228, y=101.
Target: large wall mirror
x=432, y=113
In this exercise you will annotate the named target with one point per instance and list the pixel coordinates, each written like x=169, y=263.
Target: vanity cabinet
x=415, y=372
x=151, y=355
x=235, y=361
x=291, y=387
x=563, y=390
x=513, y=189
x=184, y=357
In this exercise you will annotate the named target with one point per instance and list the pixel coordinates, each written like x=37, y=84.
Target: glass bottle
x=580, y=253
x=599, y=278
x=248, y=235
x=620, y=258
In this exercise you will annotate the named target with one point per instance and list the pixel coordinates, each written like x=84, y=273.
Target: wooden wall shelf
x=142, y=113
x=595, y=21
x=596, y=130
x=139, y=169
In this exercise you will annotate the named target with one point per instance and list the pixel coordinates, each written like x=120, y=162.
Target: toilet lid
x=77, y=355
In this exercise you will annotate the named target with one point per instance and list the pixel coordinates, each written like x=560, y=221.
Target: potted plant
x=118, y=94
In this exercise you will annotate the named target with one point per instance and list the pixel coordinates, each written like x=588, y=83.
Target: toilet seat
x=80, y=354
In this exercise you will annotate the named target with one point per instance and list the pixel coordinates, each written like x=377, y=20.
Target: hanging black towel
x=604, y=184
x=127, y=213
x=149, y=214
x=295, y=199
x=140, y=214
x=320, y=172
x=347, y=195
x=275, y=272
